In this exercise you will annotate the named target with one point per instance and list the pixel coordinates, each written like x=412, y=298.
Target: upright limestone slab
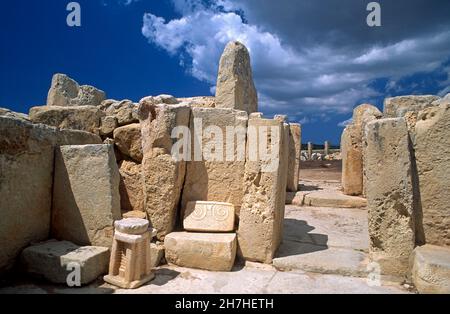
x=262, y=212
x=26, y=179
x=131, y=187
x=86, y=199
x=215, y=171
x=235, y=88
x=163, y=174
x=390, y=195
x=352, y=149
x=209, y=217
x=432, y=151
x=295, y=148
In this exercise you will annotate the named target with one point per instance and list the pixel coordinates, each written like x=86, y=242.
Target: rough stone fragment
x=262, y=212
x=51, y=259
x=220, y=160
x=432, y=153
x=131, y=187
x=166, y=99
x=26, y=178
x=125, y=111
x=390, y=195
x=397, y=107
x=209, y=217
x=163, y=174
x=156, y=254
x=4, y=112
x=201, y=102
x=295, y=147
x=108, y=125
x=134, y=214
x=86, y=199
x=64, y=92
x=84, y=118
x=430, y=269
x=235, y=87
x=209, y=251
x=333, y=199
x=128, y=140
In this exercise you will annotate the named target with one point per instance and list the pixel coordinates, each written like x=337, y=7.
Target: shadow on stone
x=308, y=188
x=163, y=276
x=298, y=239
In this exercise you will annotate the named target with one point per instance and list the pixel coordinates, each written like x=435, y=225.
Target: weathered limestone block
x=235, y=87
x=201, y=101
x=128, y=140
x=430, y=269
x=26, y=176
x=163, y=174
x=130, y=265
x=64, y=92
x=134, y=214
x=295, y=148
x=108, y=125
x=432, y=152
x=209, y=251
x=156, y=254
x=84, y=118
x=51, y=259
x=131, y=187
x=209, y=217
x=125, y=111
x=4, y=112
x=390, y=195
x=220, y=159
x=86, y=199
x=262, y=212
x=352, y=149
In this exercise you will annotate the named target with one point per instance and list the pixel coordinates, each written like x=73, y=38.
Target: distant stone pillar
x=326, y=149
x=130, y=264
x=310, y=150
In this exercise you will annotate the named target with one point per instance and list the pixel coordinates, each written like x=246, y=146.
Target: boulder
x=235, y=88
x=4, y=112
x=295, y=147
x=163, y=175
x=131, y=187
x=209, y=217
x=86, y=199
x=208, y=251
x=128, y=140
x=430, y=269
x=390, y=195
x=26, y=176
x=64, y=92
x=55, y=260
x=262, y=212
x=108, y=125
x=199, y=102
x=156, y=254
x=84, y=118
x=125, y=111
x=220, y=159
x=432, y=155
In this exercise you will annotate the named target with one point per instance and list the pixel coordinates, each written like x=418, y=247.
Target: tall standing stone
x=235, y=88
x=217, y=156
x=432, y=152
x=390, y=195
x=352, y=149
x=262, y=212
x=163, y=174
x=295, y=149
x=86, y=199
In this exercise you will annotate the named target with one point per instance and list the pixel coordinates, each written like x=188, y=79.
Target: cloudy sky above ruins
x=314, y=60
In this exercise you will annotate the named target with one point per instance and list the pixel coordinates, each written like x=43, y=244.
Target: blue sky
x=314, y=60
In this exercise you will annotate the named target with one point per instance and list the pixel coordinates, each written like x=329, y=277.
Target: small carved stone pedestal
x=130, y=265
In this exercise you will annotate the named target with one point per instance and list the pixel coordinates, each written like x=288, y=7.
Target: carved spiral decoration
x=220, y=213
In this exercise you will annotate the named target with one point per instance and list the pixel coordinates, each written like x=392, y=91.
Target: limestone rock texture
x=65, y=91
x=125, y=111
x=26, y=179
x=163, y=175
x=128, y=140
x=430, y=269
x=432, y=152
x=219, y=161
x=50, y=260
x=208, y=251
x=295, y=150
x=84, y=118
x=209, y=217
x=86, y=199
x=262, y=212
x=108, y=125
x=5, y=112
x=390, y=195
x=131, y=187
x=235, y=88
x=352, y=149
x=200, y=101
